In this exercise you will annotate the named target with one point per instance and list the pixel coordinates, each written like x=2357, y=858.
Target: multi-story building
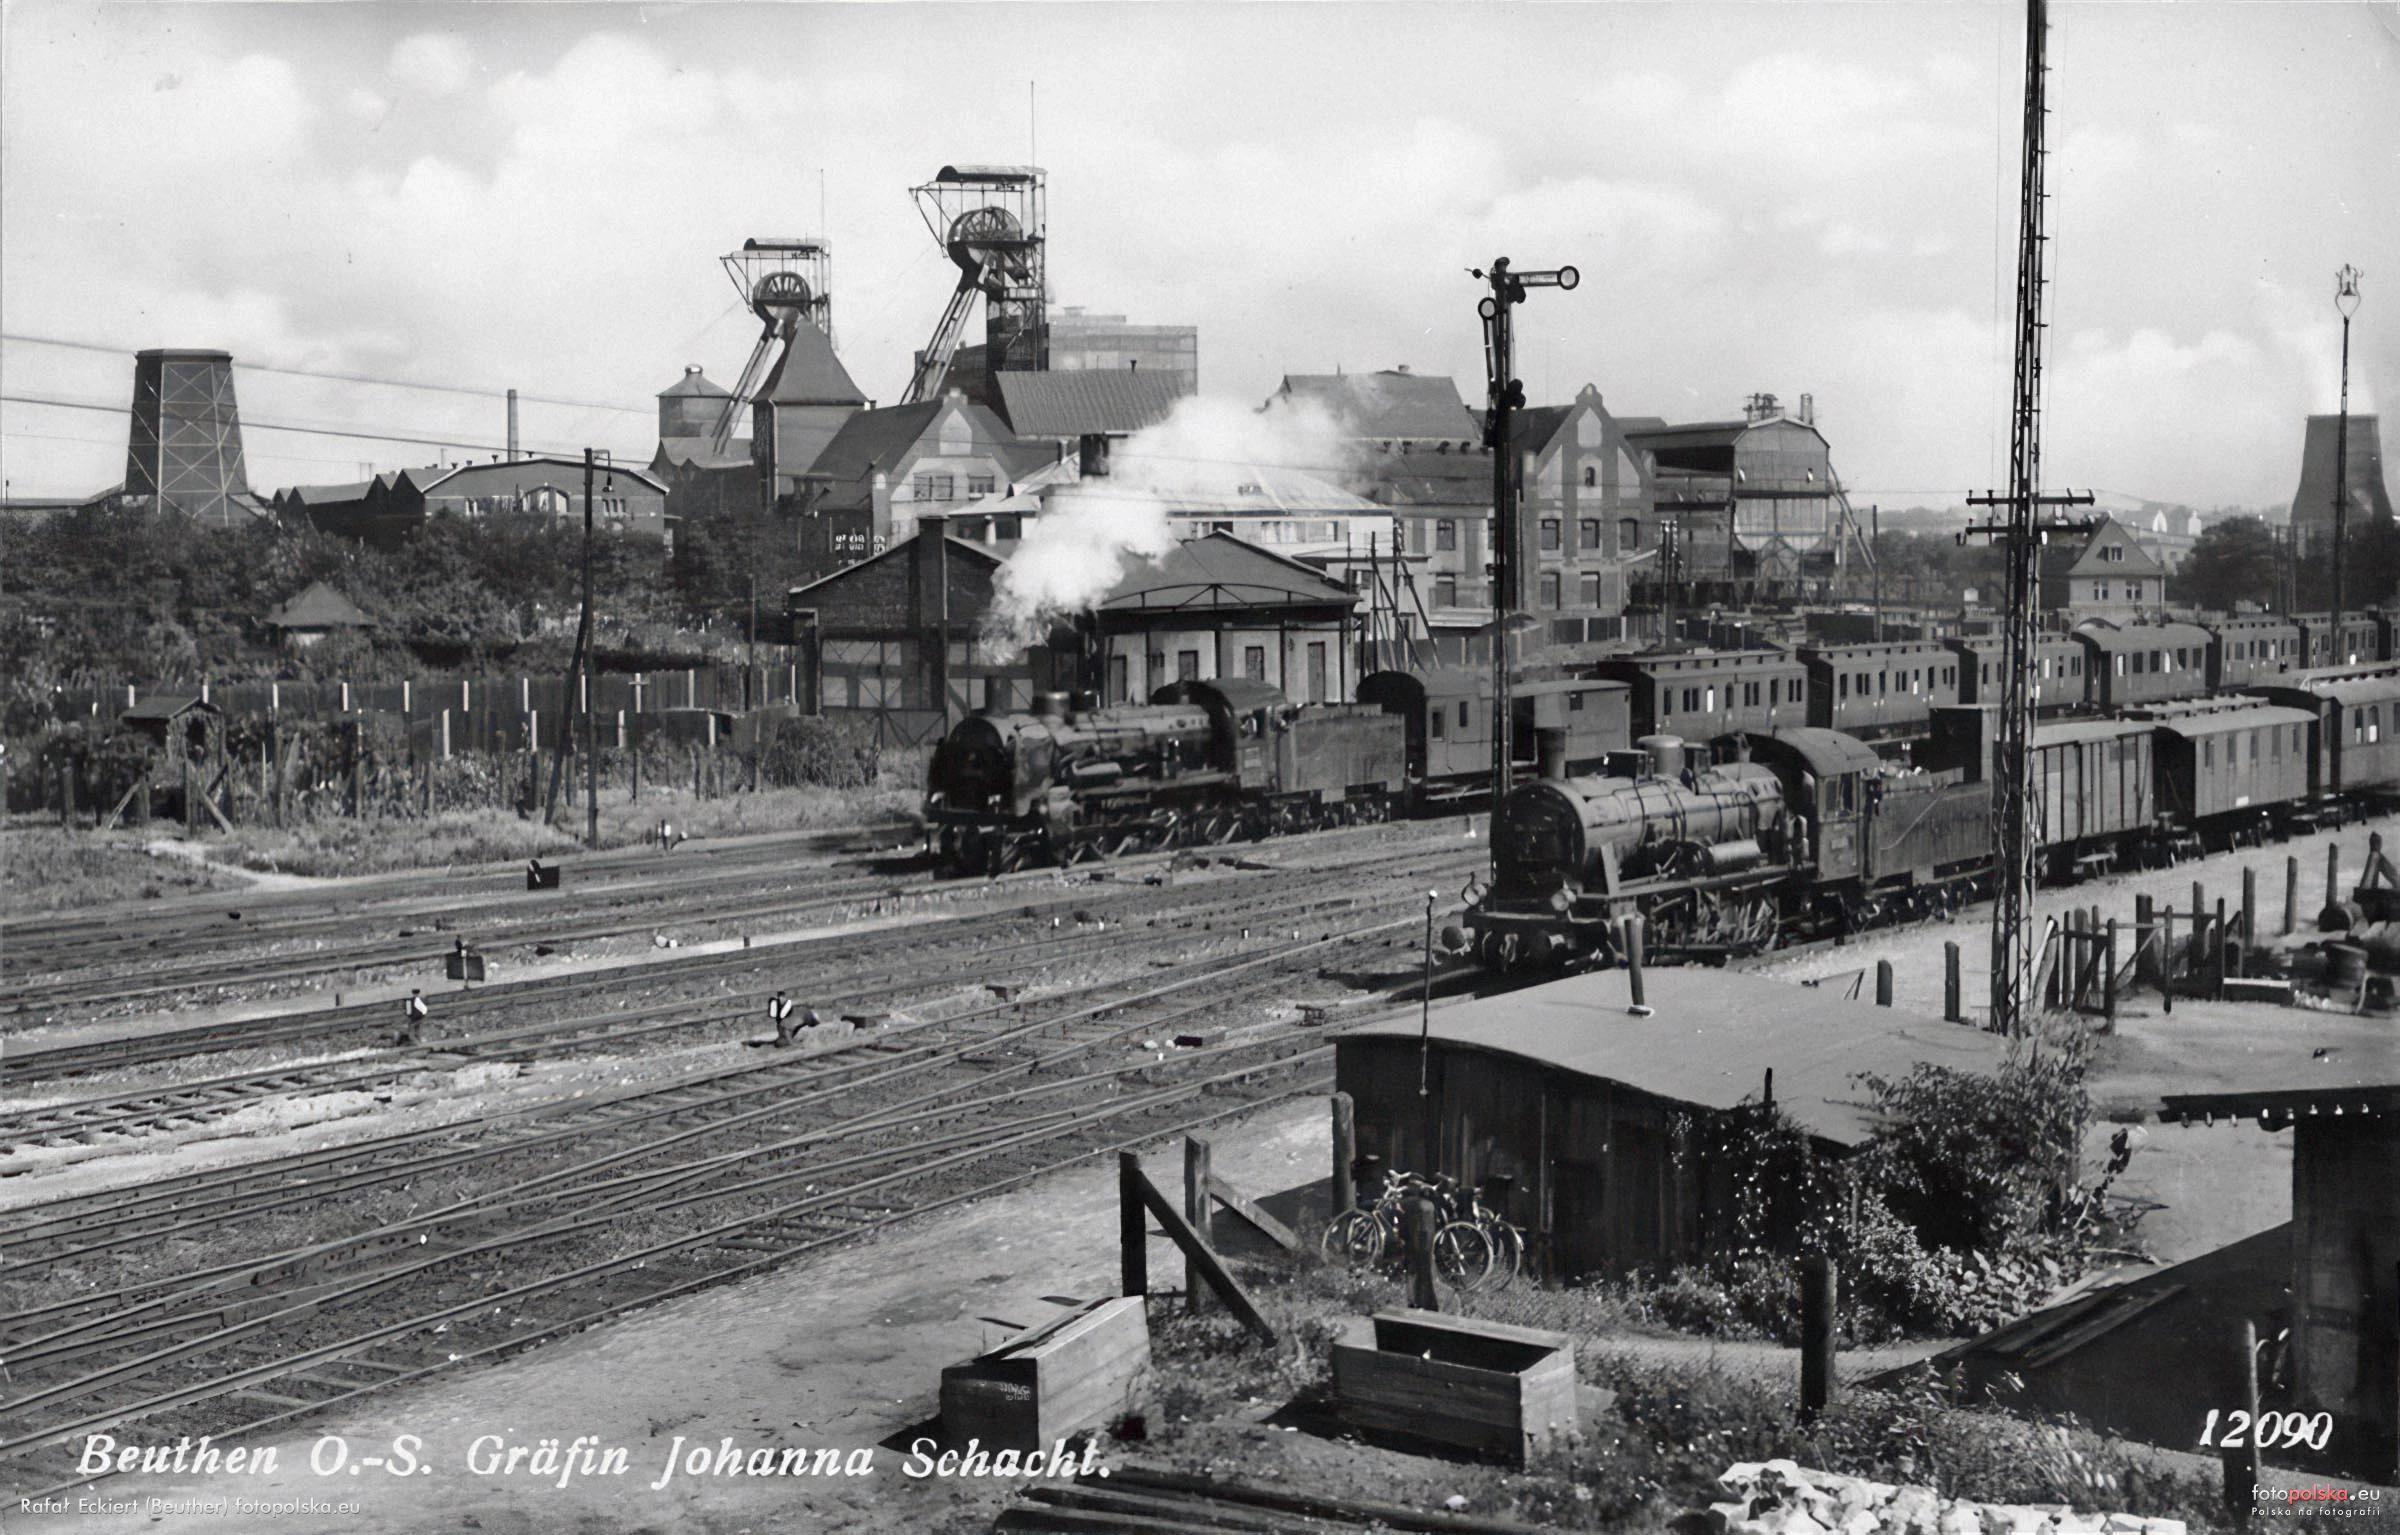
x=886, y=467
x=2108, y=575
x=1745, y=509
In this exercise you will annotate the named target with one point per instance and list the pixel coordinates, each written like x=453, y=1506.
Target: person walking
x=412, y=1030
x=779, y=1013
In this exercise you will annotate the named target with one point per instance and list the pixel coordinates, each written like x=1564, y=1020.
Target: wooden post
x=1818, y=1299
x=1953, y=992
x=1196, y=1210
x=696, y=794
x=2242, y=1461
x=635, y=753
x=1416, y=1229
x=1345, y=1154
x=1883, y=983
x=2108, y=982
x=2333, y=874
x=2199, y=928
x=2291, y=894
x=2166, y=963
x=2145, y=957
x=66, y=796
x=1133, y=1231
x=1633, y=961
x=2222, y=946
x=2249, y=905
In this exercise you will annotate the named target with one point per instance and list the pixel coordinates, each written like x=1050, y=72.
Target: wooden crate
x=1483, y=1387
x=1077, y=1372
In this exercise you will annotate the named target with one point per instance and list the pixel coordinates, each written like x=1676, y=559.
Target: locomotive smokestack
x=1550, y=753
x=1050, y=706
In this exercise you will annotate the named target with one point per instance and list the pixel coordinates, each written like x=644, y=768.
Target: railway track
x=329, y=1026
x=904, y=968
x=905, y=1124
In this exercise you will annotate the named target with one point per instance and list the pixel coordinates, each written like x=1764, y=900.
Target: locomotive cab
x=1833, y=782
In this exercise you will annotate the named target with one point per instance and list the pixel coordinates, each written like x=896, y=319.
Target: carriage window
x=2253, y=746
x=1710, y=703
x=1437, y=719
x=1574, y=703
x=1462, y=714
x=1883, y=682
x=2208, y=754
x=1841, y=685
x=1691, y=700
x=1774, y=686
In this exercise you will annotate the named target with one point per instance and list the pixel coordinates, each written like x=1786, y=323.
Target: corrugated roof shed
x=1389, y=404
x=1080, y=403
x=1223, y=571
x=1714, y=1036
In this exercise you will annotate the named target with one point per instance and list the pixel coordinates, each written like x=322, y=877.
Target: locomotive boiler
x=1698, y=850
x=1203, y=762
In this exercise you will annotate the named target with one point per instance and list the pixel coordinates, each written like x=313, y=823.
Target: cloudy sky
x=1804, y=197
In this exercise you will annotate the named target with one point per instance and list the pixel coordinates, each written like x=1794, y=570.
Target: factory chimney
x=1808, y=410
x=512, y=426
x=2312, y=503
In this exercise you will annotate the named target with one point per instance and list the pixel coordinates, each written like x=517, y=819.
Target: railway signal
x=1505, y=393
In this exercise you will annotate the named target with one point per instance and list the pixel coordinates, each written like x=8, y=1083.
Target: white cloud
x=436, y=63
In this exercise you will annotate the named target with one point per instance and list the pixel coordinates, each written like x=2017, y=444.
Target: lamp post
x=2345, y=299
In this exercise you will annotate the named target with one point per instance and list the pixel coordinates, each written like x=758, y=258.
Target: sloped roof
x=166, y=707
x=1702, y=434
x=1713, y=1037
x=682, y=452
x=1223, y=571
x=2138, y=563
x=1230, y=489
x=952, y=545
x=1389, y=404
x=694, y=383
x=808, y=373
x=319, y=607
x=1076, y=403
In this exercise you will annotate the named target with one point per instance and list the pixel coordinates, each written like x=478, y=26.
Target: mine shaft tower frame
x=2016, y=839
x=993, y=221
x=785, y=280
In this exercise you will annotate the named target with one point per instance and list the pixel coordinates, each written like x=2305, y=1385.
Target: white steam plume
x=1092, y=532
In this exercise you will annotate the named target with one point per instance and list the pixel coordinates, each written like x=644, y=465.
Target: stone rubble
x=1779, y=1497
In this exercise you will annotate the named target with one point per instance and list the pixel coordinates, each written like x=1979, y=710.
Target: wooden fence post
x=1416, y=1230
x=2145, y=959
x=1883, y=983
x=1133, y=1230
x=2249, y=905
x=2291, y=893
x=2108, y=992
x=1345, y=1154
x=1196, y=1210
x=66, y=796
x=1819, y=1296
x=2333, y=875
x=1953, y=992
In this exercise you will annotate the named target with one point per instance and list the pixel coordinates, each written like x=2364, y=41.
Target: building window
x=1549, y=588
x=1591, y=476
x=2133, y=591
x=1158, y=670
x=1187, y=665
x=1587, y=535
x=1119, y=684
x=1549, y=534
x=982, y=484
x=1445, y=591
x=1629, y=534
x=1008, y=527
x=1445, y=534
x=1590, y=590
x=1254, y=662
x=2114, y=554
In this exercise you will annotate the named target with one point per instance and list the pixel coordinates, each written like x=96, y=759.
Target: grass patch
x=44, y=869
x=1679, y=1418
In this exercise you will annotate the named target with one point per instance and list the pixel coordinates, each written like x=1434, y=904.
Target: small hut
x=315, y=613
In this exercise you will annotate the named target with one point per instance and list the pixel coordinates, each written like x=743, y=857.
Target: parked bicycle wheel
x=1354, y=1237
x=1508, y=1252
x=1462, y=1254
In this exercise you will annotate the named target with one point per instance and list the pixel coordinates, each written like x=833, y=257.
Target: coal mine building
x=1579, y=1116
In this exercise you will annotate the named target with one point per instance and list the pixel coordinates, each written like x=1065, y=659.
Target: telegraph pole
x=583, y=657
x=1506, y=393
x=2016, y=840
x=2345, y=299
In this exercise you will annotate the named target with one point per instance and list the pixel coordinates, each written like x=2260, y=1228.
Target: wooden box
x=1077, y=1372
x=1484, y=1387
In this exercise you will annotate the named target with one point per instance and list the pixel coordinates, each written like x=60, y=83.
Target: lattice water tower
x=185, y=449
x=993, y=220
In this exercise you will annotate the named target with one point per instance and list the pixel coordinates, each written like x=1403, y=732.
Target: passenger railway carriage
x=2361, y=638
x=2139, y=744
x=1879, y=692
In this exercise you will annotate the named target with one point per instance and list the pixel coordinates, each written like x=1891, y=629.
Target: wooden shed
x=1582, y=1106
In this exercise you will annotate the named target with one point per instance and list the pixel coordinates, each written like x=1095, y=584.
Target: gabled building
x=316, y=612
x=703, y=482
x=2107, y=575
x=390, y=506
x=885, y=468
x=800, y=409
x=1082, y=414
x=1585, y=486
x=1395, y=409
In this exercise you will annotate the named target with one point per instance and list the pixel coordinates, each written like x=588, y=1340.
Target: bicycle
x=1463, y=1252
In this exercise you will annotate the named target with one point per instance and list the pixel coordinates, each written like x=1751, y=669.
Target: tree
x=2238, y=560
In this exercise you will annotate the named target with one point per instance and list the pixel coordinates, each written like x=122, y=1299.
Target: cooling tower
x=185, y=450
x=2312, y=503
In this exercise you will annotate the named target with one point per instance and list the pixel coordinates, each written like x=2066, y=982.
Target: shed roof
x=166, y=707
x=2064, y=731
x=2143, y=636
x=2215, y=722
x=1223, y=571
x=1714, y=1036
x=1086, y=402
x=319, y=607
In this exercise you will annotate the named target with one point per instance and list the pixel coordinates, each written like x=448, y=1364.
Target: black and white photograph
x=804, y=767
